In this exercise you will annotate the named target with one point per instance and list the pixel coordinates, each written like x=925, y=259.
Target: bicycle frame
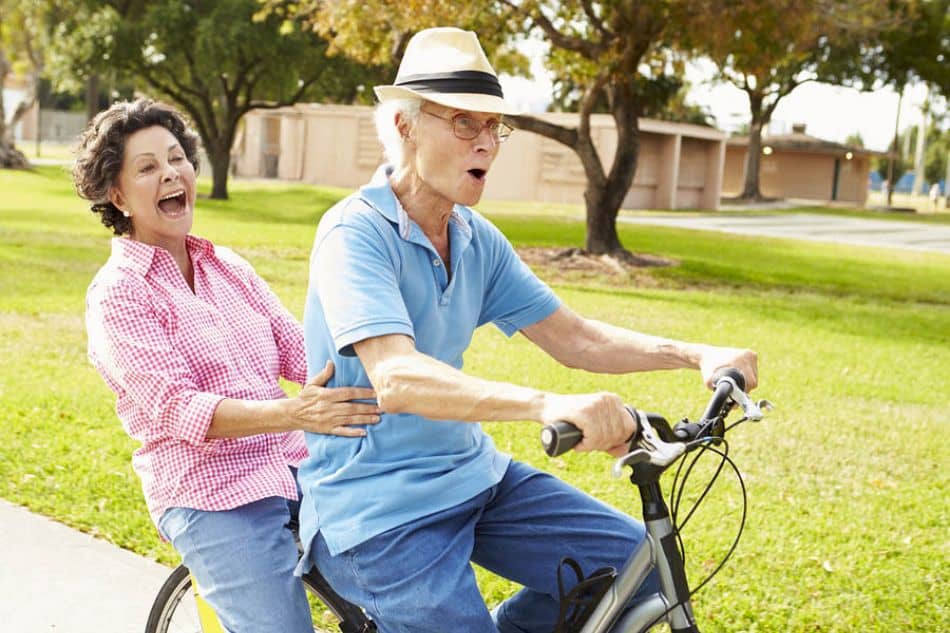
x=658, y=550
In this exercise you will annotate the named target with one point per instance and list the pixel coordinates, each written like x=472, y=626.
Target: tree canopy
x=917, y=48
x=216, y=61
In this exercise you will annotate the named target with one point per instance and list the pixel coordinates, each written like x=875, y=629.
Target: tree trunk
x=10, y=156
x=604, y=197
x=219, y=155
x=753, y=159
x=5, y=69
x=92, y=96
x=753, y=162
x=601, y=223
x=604, y=193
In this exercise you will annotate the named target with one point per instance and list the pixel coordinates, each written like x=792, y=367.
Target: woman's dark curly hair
x=102, y=147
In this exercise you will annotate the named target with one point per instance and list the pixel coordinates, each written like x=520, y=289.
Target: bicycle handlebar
x=561, y=436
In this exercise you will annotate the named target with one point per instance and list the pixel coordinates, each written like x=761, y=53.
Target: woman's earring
x=127, y=214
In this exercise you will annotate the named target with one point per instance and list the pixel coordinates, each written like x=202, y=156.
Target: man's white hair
x=388, y=133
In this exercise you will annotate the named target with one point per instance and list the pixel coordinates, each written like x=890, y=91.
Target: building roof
x=644, y=124
x=798, y=141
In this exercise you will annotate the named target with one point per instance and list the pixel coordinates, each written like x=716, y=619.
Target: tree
x=892, y=166
x=615, y=55
x=671, y=104
x=618, y=52
x=938, y=149
x=854, y=140
x=767, y=48
x=10, y=156
x=217, y=61
x=916, y=47
x=20, y=54
x=679, y=110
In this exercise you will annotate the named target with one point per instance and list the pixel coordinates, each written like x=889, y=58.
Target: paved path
x=809, y=226
x=55, y=579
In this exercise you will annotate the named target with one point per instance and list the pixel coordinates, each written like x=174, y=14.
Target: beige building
x=797, y=165
x=680, y=166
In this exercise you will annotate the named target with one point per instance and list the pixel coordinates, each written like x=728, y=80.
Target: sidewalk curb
x=56, y=579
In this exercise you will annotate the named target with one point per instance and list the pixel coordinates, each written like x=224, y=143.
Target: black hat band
x=468, y=81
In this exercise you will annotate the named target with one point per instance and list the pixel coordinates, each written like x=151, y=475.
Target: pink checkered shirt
x=171, y=356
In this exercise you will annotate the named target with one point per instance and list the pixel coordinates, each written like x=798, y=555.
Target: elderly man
x=402, y=272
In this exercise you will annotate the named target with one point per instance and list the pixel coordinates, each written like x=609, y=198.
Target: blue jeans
x=418, y=577
x=243, y=560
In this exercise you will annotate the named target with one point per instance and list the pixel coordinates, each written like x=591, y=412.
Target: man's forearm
x=608, y=349
x=413, y=382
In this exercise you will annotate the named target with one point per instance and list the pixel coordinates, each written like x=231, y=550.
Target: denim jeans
x=243, y=560
x=418, y=577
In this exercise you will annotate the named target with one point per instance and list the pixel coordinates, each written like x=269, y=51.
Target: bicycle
x=597, y=604
x=178, y=606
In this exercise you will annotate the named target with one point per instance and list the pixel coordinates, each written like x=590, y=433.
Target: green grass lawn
x=847, y=480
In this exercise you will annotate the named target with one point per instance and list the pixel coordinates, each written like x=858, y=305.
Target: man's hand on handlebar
x=715, y=358
x=602, y=418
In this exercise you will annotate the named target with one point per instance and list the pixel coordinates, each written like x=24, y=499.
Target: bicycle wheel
x=175, y=609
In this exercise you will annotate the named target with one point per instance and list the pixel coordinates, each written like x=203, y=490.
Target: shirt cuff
x=194, y=419
x=543, y=310
x=345, y=340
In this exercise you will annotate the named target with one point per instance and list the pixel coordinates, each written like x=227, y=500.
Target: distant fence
x=904, y=184
x=58, y=126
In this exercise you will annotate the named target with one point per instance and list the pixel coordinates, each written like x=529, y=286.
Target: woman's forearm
x=316, y=409
x=241, y=418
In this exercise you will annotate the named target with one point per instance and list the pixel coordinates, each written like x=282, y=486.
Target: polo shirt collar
x=138, y=256
x=379, y=194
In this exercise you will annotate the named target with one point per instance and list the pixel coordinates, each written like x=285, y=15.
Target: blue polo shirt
x=374, y=272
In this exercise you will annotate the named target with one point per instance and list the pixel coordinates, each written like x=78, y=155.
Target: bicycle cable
x=678, y=488
x=674, y=504
x=676, y=493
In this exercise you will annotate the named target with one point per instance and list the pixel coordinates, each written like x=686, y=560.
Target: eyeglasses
x=468, y=127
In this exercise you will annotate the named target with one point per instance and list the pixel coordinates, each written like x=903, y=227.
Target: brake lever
x=650, y=449
x=751, y=409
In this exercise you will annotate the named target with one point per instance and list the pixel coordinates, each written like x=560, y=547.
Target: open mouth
x=173, y=203
x=478, y=174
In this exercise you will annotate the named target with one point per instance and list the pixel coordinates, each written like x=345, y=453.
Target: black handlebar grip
x=731, y=372
x=720, y=398
x=560, y=437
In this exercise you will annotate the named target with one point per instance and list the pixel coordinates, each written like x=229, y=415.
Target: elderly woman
x=402, y=273
x=193, y=343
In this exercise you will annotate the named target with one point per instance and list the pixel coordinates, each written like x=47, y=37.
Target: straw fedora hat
x=447, y=66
